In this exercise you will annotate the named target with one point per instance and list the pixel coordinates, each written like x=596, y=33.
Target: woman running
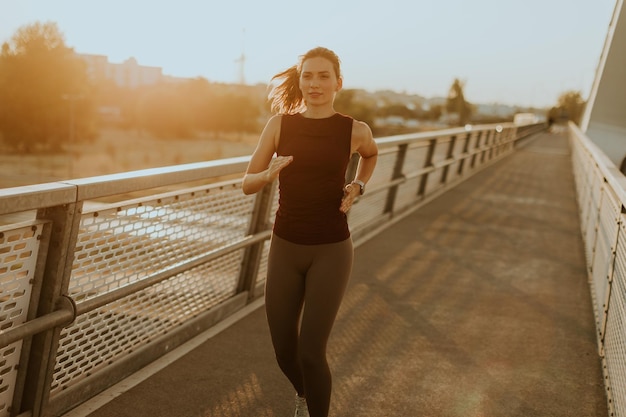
x=310, y=257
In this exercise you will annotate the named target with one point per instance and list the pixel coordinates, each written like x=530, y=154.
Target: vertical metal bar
x=476, y=146
x=505, y=138
x=252, y=256
x=58, y=266
x=497, y=143
x=465, y=150
x=489, y=143
x=428, y=162
x=398, y=170
x=497, y=140
x=483, y=154
x=444, y=174
x=609, y=276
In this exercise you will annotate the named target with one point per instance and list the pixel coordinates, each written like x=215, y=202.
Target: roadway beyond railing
x=101, y=276
x=601, y=191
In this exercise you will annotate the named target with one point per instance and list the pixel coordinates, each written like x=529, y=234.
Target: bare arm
x=262, y=169
x=363, y=143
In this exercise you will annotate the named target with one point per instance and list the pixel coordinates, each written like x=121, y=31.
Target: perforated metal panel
x=604, y=231
x=19, y=249
x=610, y=210
x=615, y=340
x=115, y=330
x=588, y=187
x=593, y=215
x=606, y=239
x=581, y=166
x=120, y=245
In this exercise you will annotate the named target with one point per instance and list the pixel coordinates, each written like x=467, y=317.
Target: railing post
x=398, y=172
x=428, y=162
x=258, y=224
x=496, y=144
x=483, y=153
x=444, y=174
x=56, y=276
x=465, y=150
x=489, y=142
x=476, y=146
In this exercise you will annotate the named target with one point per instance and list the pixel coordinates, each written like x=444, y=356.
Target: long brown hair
x=286, y=97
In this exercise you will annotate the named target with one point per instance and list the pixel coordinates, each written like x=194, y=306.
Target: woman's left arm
x=362, y=143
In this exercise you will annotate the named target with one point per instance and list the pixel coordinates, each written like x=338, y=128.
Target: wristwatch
x=361, y=185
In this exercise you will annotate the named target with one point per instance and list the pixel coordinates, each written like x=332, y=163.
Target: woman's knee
x=286, y=353
x=313, y=358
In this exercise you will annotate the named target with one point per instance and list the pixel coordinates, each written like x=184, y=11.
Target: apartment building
x=127, y=74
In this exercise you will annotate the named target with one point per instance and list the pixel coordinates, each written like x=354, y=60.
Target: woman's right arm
x=262, y=169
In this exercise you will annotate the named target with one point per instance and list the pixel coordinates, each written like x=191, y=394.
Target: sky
x=516, y=52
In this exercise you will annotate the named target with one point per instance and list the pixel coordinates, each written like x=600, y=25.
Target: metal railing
x=601, y=193
x=100, y=276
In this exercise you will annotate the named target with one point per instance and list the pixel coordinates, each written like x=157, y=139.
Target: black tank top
x=311, y=187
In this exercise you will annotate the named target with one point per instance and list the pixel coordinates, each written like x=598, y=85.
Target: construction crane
x=242, y=60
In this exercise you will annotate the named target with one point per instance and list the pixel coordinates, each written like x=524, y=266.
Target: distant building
x=525, y=118
x=127, y=74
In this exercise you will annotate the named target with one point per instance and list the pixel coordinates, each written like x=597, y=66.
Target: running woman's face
x=318, y=81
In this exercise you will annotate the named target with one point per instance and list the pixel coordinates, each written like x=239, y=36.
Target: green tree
x=456, y=103
x=44, y=92
x=164, y=113
x=179, y=110
x=397, y=109
x=347, y=103
x=201, y=98
x=434, y=112
x=235, y=113
x=570, y=106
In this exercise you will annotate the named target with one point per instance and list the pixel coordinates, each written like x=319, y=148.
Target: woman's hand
x=276, y=165
x=350, y=192
x=254, y=182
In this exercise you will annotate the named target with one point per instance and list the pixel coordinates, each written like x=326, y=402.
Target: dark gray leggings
x=304, y=288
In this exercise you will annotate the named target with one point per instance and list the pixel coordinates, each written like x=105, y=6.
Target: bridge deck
x=475, y=305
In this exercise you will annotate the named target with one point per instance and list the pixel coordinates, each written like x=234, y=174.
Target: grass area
x=116, y=151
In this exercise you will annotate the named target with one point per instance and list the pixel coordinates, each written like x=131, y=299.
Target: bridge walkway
x=477, y=304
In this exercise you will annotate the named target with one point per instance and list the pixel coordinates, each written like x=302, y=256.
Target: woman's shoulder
x=361, y=129
x=276, y=118
x=361, y=135
x=274, y=122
